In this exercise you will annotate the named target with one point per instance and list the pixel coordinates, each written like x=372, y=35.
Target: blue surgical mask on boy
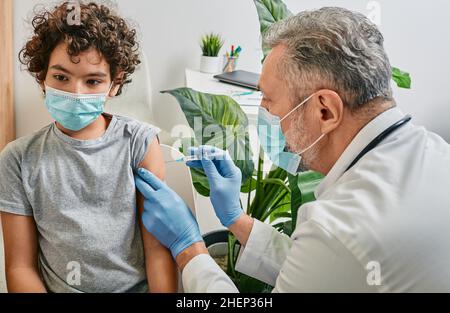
x=273, y=141
x=74, y=111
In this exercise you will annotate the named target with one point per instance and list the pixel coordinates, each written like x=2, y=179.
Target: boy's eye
x=60, y=77
x=93, y=82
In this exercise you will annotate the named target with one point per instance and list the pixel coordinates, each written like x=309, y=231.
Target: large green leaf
x=247, y=284
x=269, y=12
x=402, y=79
x=200, y=182
x=249, y=185
x=217, y=121
x=281, y=209
x=270, y=191
x=302, y=191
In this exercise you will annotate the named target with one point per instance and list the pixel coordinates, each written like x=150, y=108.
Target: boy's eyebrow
x=98, y=74
x=63, y=69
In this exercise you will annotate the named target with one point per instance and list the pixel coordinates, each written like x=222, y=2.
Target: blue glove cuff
x=190, y=236
x=231, y=220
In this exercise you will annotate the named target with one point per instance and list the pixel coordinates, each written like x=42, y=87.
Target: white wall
x=416, y=34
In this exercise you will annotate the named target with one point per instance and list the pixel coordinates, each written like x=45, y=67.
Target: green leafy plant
x=273, y=197
x=211, y=45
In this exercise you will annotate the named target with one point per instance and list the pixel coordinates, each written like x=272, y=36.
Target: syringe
x=191, y=158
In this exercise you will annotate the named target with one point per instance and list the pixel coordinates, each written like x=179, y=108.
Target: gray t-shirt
x=83, y=199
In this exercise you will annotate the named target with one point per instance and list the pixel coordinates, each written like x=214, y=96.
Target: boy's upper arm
x=18, y=225
x=144, y=143
x=161, y=268
x=20, y=241
x=154, y=160
x=13, y=198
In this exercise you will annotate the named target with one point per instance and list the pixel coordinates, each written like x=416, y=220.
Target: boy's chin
x=71, y=131
x=75, y=131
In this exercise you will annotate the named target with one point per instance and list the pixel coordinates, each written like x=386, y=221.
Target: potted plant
x=211, y=45
x=273, y=196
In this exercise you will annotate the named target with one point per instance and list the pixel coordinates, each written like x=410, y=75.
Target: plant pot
x=217, y=244
x=209, y=65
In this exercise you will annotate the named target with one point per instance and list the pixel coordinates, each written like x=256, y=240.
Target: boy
x=67, y=192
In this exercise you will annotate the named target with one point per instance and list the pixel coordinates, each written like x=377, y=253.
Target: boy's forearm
x=162, y=271
x=24, y=280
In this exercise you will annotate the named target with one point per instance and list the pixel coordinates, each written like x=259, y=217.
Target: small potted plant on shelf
x=211, y=45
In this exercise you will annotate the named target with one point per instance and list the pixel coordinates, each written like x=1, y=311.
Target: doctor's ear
x=331, y=109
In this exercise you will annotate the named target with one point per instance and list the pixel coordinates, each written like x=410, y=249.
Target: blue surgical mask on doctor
x=273, y=141
x=74, y=111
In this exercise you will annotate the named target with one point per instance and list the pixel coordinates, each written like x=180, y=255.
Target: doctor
x=381, y=219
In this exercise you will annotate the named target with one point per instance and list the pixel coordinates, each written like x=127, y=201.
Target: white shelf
x=208, y=84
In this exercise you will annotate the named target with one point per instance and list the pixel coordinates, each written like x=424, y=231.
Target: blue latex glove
x=224, y=181
x=166, y=216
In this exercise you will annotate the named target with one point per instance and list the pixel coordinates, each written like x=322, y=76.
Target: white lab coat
x=382, y=226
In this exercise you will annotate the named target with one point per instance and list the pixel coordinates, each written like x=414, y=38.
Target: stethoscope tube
x=374, y=143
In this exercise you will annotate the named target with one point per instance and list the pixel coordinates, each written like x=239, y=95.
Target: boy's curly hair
x=100, y=28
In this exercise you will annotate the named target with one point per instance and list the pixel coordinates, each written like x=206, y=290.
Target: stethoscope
x=374, y=143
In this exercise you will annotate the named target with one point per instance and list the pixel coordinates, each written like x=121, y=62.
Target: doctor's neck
x=336, y=142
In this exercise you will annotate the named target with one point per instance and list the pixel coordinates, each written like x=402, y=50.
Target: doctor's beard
x=298, y=138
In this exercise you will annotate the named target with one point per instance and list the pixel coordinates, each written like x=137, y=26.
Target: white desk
x=206, y=83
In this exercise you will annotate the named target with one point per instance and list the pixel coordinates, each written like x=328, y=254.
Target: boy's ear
x=42, y=88
x=116, y=84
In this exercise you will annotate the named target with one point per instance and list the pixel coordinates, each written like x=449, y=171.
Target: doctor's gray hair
x=333, y=48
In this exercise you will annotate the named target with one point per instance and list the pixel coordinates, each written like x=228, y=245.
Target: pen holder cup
x=229, y=64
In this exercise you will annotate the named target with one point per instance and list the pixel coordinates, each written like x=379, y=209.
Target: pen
x=238, y=50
